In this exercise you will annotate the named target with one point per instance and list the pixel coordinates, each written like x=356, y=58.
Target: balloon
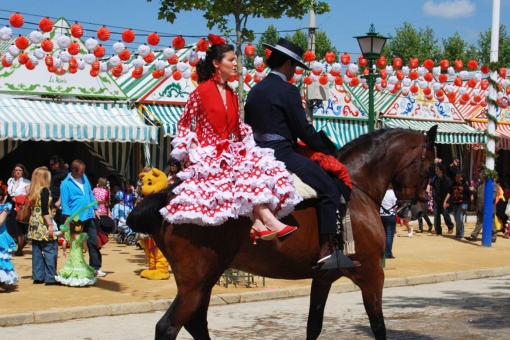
x=65, y=226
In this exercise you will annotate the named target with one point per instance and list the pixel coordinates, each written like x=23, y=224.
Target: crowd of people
x=448, y=192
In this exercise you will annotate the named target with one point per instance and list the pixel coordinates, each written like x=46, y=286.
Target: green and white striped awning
x=167, y=116
x=48, y=121
x=341, y=131
x=447, y=133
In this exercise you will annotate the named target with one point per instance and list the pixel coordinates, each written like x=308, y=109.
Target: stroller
x=125, y=234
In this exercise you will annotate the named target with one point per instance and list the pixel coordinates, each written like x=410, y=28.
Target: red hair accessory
x=216, y=39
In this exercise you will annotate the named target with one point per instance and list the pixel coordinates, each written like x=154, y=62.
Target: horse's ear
x=431, y=136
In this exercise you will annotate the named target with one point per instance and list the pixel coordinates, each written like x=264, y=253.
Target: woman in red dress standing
x=226, y=174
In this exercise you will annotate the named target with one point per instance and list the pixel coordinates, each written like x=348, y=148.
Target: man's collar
x=281, y=75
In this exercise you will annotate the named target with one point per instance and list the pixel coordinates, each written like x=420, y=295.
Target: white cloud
x=449, y=9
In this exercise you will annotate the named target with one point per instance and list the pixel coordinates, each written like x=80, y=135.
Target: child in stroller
x=120, y=212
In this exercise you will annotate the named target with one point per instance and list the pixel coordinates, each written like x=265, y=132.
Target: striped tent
x=341, y=131
x=502, y=131
x=44, y=121
x=448, y=133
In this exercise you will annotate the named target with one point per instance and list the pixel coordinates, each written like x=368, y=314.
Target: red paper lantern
x=444, y=63
x=400, y=75
x=330, y=57
x=158, y=73
x=443, y=78
x=413, y=63
x=48, y=60
x=414, y=89
x=397, y=86
x=428, y=76
x=72, y=70
x=103, y=33
x=383, y=73
x=457, y=81
x=51, y=69
x=149, y=58
x=77, y=30
x=256, y=78
x=458, y=65
x=174, y=60
x=348, y=73
x=339, y=80
x=46, y=25
x=203, y=45
x=5, y=63
x=309, y=56
x=177, y=75
x=261, y=68
x=354, y=82
x=267, y=53
x=249, y=50
x=439, y=93
x=307, y=80
x=128, y=36
x=334, y=73
x=485, y=69
x=178, y=42
x=136, y=74
x=153, y=39
x=323, y=80
x=465, y=97
x=194, y=76
x=484, y=84
x=29, y=65
x=472, y=65
x=452, y=97
x=193, y=63
x=381, y=62
x=384, y=83
x=22, y=42
x=95, y=65
x=60, y=71
x=16, y=20
x=413, y=75
x=397, y=63
x=247, y=78
x=345, y=59
x=23, y=58
x=47, y=45
x=362, y=61
x=427, y=91
x=440, y=98
x=73, y=63
x=73, y=48
x=502, y=72
x=117, y=71
x=94, y=72
x=471, y=83
x=124, y=55
x=428, y=64
x=507, y=89
x=99, y=51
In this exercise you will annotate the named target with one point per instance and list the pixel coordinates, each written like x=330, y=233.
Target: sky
x=347, y=18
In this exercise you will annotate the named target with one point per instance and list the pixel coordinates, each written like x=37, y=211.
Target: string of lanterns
x=433, y=80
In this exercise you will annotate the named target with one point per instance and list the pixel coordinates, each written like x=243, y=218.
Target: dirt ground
x=422, y=254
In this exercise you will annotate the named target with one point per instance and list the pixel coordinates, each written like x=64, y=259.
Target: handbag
x=24, y=212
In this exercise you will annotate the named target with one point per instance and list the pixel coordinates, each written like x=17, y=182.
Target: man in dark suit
x=276, y=114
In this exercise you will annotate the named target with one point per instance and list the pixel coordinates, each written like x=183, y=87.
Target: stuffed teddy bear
x=153, y=181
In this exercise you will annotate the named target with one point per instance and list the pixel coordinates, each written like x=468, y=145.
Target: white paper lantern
x=436, y=86
x=462, y=90
x=436, y=71
x=168, y=72
x=168, y=52
x=353, y=68
x=451, y=71
x=378, y=80
x=89, y=58
x=118, y=47
x=406, y=82
x=392, y=80
x=192, y=56
x=464, y=74
x=335, y=67
x=257, y=61
x=91, y=44
x=115, y=61
x=181, y=66
x=5, y=33
x=57, y=62
x=103, y=66
x=389, y=69
x=13, y=50
x=34, y=60
x=39, y=53
x=35, y=37
x=186, y=74
x=422, y=84
x=478, y=76
x=245, y=70
x=421, y=71
x=449, y=88
x=138, y=62
x=125, y=68
x=160, y=65
x=297, y=77
x=145, y=69
x=144, y=50
x=81, y=64
x=65, y=56
x=405, y=70
x=9, y=58
x=63, y=41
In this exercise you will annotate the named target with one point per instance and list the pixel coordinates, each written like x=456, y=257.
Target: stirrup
x=338, y=260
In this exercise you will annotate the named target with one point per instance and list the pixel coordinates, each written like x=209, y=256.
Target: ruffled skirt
x=226, y=181
x=7, y=246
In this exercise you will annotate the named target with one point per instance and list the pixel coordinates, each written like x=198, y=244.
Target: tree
x=456, y=48
x=484, y=45
x=218, y=12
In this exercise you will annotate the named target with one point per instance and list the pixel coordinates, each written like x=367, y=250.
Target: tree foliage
x=484, y=44
x=456, y=48
x=409, y=42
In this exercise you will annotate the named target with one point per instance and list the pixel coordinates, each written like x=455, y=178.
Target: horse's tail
x=145, y=216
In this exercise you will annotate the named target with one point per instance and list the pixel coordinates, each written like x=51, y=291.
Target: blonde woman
x=42, y=230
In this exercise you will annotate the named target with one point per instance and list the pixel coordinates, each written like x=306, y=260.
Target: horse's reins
x=409, y=201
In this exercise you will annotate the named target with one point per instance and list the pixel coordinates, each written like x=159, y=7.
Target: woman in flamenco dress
x=226, y=174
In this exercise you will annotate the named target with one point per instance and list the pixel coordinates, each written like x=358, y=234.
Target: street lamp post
x=371, y=46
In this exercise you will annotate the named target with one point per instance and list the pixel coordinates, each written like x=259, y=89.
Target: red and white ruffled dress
x=227, y=174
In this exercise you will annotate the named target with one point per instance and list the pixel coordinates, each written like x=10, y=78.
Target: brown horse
x=199, y=255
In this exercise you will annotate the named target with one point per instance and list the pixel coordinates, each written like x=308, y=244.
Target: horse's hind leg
x=318, y=296
x=189, y=309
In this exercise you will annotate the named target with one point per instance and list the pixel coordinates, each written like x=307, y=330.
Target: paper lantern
x=149, y=58
x=413, y=75
x=124, y=55
x=22, y=42
x=47, y=45
x=330, y=57
x=458, y=64
x=103, y=33
x=16, y=20
x=48, y=60
x=23, y=58
x=444, y=63
x=457, y=81
x=471, y=83
x=51, y=69
x=73, y=63
x=46, y=25
x=472, y=65
x=177, y=75
x=73, y=48
x=428, y=64
x=309, y=56
x=362, y=61
x=413, y=63
x=99, y=51
x=117, y=71
x=178, y=42
x=77, y=30
x=381, y=62
x=174, y=60
x=484, y=84
x=397, y=63
x=428, y=77
x=95, y=65
x=354, y=82
x=427, y=91
x=443, y=78
x=153, y=39
x=158, y=73
x=72, y=70
x=267, y=52
x=261, y=67
x=128, y=36
x=323, y=80
x=247, y=78
x=307, y=80
x=485, y=69
x=414, y=89
x=249, y=50
x=452, y=96
x=29, y=65
x=345, y=59
x=502, y=72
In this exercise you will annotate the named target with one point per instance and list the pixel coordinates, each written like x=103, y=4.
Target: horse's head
x=410, y=178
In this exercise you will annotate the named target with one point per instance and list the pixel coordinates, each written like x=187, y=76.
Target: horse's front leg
x=370, y=279
x=318, y=296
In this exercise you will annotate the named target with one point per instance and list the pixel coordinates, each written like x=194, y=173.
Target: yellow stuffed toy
x=153, y=181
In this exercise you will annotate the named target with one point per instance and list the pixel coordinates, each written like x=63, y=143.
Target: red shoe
x=285, y=231
x=265, y=235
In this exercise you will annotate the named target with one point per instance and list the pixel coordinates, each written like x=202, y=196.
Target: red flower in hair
x=216, y=39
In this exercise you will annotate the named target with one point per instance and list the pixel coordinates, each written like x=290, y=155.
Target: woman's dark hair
x=25, y=172
x=276, y=59
x=56, y=159
x=205, y=67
